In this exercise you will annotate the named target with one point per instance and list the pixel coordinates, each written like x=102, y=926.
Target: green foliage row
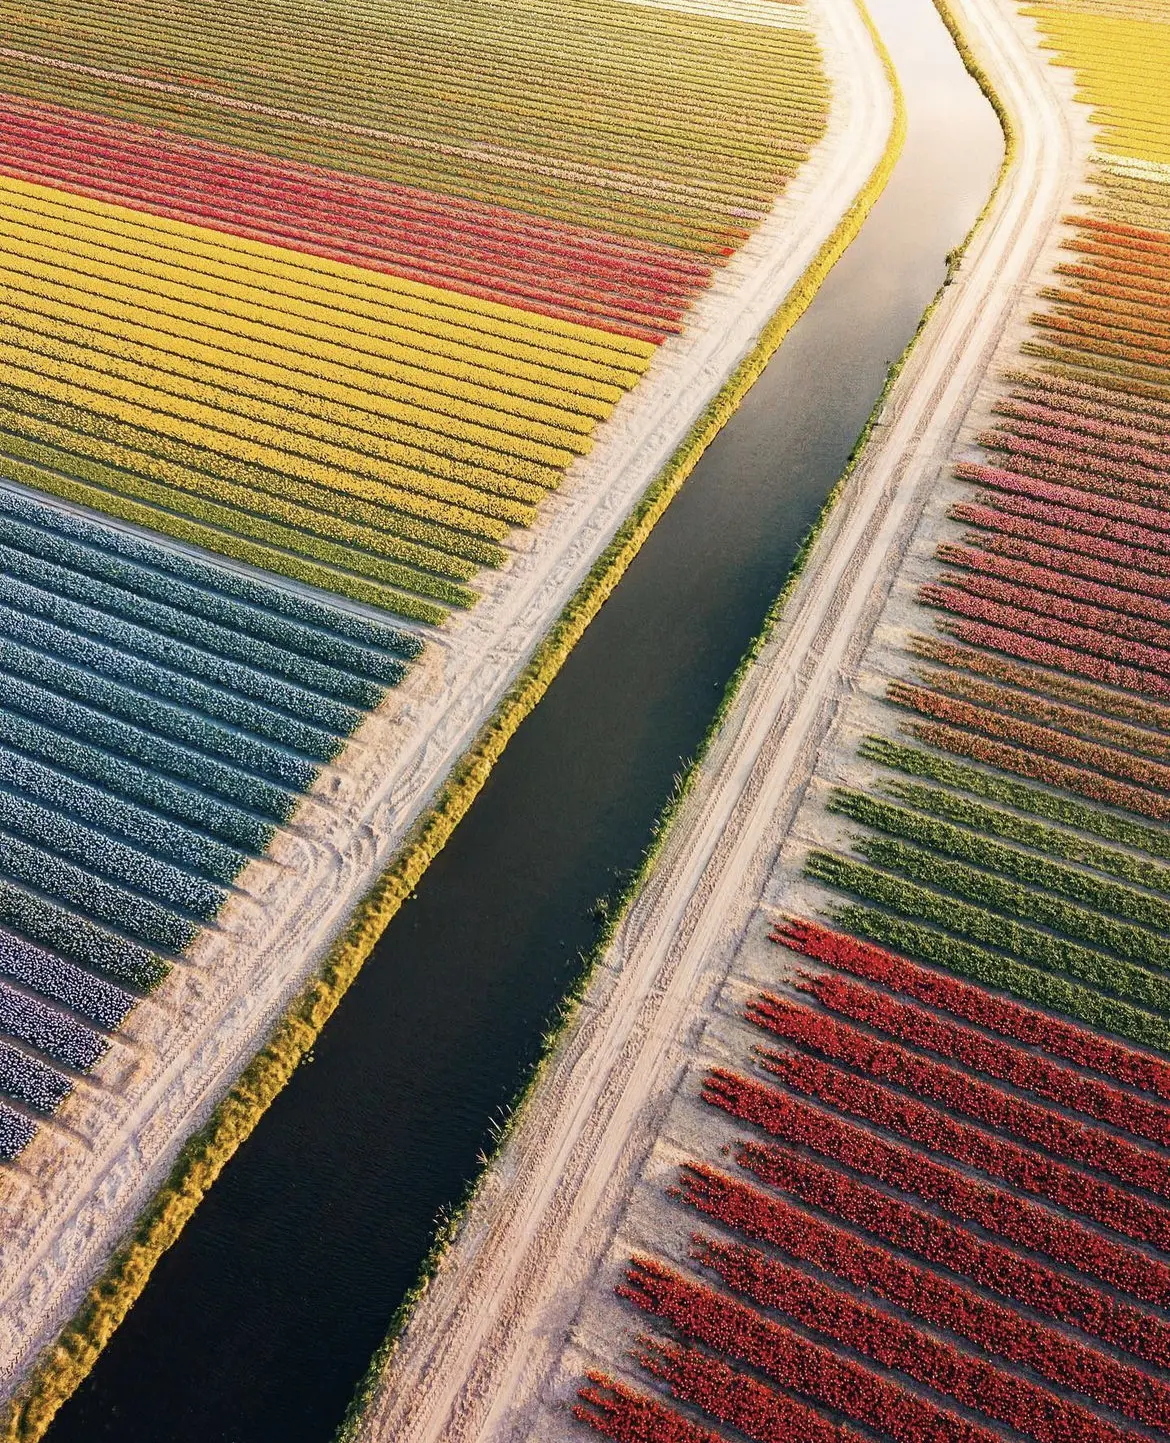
x=996, y=787
x=966, y=919
x=1008, y=862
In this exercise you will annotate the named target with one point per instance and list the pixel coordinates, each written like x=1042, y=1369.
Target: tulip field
x=944, y=1209
x=304, y=312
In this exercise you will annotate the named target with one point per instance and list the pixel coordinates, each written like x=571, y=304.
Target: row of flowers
x=1045, y=529
x=1005, y=1061
x=95, y=997
x=1078, y=705
x=436, y=374
x=922, y=1292
x=977, y=1383
x=932, y=1130
x=1026, y=1025
x=1013, y=862
x=957, y=1091
x=909, y=1170
x=919, y=902
x=168, y=667
x=1032, y=984
x=50, y=665
x=795, y=1362
x=298, y=626
x=46, y=809
x=283, y=305
x=1048, y=742
x=92, y=748
x=1006, y=791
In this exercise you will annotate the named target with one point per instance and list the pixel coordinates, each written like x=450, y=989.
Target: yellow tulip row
x=317, y=289
x=248, y=511
x=1121, y=55
x=442, y=502
x=214, y=403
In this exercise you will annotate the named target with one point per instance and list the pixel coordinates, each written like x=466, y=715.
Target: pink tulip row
x=1043, y=572
x=1050, y=417
x=1099, y=624
x=991, y=514
x=1034, y=637
x=1150, y=527
x=1131, y=462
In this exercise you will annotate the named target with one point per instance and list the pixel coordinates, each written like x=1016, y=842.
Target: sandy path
x=81, y=1185
x=485, y=1340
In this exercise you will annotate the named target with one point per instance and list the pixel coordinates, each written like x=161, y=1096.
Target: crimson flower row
x=793, y=1361
x=929, y=1128
x=1004, y=1061
x=974, y=1382
x=975, y=1004
x=910, y=1170
x=929, y=1295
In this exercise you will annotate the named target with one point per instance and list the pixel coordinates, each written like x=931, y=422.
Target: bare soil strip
x=484, y=1355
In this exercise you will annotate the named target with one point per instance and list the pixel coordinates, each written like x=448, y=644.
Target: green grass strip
x=968, y=846
x=963, y=918
x=998, y=788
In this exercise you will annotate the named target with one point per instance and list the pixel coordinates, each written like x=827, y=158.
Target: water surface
x=257, y=1325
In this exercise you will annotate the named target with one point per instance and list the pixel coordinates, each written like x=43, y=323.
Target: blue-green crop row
x=161, y=718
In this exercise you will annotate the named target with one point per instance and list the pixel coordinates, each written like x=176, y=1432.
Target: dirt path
x=81, y=1186
x=490, y=1331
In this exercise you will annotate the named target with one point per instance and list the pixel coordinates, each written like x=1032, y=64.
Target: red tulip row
x=908, y=1169
x=975, y=1004
x=1044, y=769
x=793, y=1361
x=611, y=1408
x=973, y=1382
x=927, y=1294
x=1048, y=740
x=955, y=1090
x=929, y=1128
x=911, y=1023
x=1026, y=528
x=986, y=1264
x=1079, y=623
x=736, y=1398
x=1048, y=576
